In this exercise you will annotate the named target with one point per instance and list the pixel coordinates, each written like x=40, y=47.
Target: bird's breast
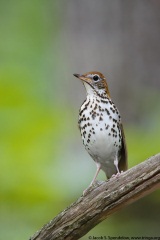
x=99, y=126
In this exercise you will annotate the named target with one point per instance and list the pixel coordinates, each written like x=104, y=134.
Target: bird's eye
x=95, y=78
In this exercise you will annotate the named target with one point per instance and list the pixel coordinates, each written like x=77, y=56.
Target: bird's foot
x=86, y=191
x=91, y=186
x=116, y=175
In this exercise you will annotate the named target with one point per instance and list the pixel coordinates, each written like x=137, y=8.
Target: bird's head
x=95, y=83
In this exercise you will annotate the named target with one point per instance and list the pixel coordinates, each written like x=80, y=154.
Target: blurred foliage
x=39, y=150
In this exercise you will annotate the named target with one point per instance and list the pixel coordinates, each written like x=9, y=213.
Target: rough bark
x=102, y=200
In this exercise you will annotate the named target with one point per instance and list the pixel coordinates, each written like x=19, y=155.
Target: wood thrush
x=100, y=126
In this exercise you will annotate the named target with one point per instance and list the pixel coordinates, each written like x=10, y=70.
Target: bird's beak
x=83, y=78
x=77, y=75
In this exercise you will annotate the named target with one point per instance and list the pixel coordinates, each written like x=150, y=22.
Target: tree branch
x=102, y=200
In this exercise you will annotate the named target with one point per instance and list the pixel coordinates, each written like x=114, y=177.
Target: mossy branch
x=102, y=200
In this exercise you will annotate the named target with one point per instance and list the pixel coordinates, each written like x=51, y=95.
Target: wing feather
x=123, y=163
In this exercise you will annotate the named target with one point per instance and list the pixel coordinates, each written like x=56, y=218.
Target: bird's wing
x=123, y=163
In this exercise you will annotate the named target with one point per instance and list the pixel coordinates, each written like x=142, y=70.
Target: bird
x=101, y=128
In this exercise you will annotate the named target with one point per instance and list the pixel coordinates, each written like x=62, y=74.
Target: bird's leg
x=94, y=179
x=116, y=165
x=96, y=174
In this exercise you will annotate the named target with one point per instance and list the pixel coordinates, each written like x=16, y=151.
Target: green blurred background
x=43, y=165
